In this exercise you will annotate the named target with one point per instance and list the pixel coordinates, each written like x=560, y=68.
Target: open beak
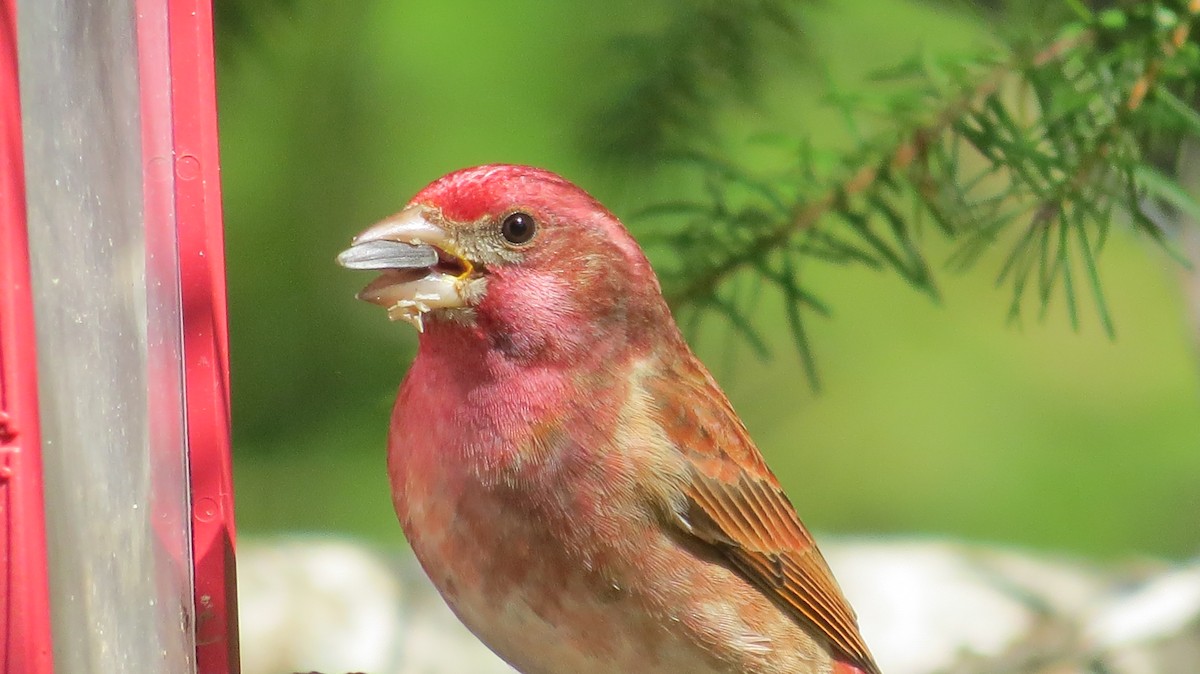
x=422, y=268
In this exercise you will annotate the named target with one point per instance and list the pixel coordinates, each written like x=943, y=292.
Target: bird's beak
x=423, y=268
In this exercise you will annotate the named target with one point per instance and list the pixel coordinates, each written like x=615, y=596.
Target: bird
x=567, y=472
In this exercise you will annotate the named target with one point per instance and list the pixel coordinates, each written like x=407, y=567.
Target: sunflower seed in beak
x=383, y=254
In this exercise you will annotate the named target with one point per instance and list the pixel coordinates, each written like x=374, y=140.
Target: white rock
x=925, y=606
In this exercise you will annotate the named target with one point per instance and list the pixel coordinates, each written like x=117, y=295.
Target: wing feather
x=737, y=505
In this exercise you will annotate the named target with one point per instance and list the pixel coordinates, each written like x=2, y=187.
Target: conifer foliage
x=1037, y=149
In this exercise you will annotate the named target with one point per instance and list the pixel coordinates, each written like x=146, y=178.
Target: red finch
x=567, y=472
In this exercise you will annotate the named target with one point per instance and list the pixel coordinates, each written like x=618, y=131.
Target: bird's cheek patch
x=533, y=299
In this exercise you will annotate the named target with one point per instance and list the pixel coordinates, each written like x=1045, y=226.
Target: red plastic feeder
x=116, y=500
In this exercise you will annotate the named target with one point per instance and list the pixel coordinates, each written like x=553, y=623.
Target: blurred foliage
x=684, y=68
x=932, y=419
x=241, y=24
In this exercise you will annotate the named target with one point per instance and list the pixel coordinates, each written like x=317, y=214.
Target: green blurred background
x=934, y=420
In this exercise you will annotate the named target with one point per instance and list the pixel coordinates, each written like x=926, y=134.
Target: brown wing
x=738, y=505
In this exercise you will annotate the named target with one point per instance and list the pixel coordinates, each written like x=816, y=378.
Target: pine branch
x=1047, y=146
x=864, y=176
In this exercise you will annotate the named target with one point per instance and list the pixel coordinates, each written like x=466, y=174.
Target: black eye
x=518, y=228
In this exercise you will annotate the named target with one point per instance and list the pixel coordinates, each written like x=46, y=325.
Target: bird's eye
x=518, y=228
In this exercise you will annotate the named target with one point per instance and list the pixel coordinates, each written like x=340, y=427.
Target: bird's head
x=518, y=255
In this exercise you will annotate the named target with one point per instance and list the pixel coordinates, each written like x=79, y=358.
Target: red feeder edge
x=25, y=644
x=194, y=160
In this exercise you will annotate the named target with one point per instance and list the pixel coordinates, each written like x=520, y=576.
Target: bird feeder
x=116, y=507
